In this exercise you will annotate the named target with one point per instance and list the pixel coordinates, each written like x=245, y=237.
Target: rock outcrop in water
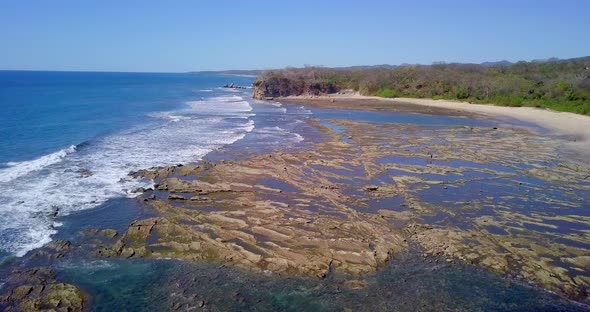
x=233, y=86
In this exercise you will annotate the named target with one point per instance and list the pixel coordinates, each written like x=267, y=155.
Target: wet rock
x=21, y=292
x=59, y=246
x=55, y=210
x=37, y=290
x=356, y=284
x=133, y=242
x=84, y=173
x=140, y=190
x=127, y=252
x=233, y=86
x=201, y=199
x=175, y=197
x=54, y=249
x=109, y=233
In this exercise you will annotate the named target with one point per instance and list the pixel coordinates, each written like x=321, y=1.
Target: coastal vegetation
x=562, y=85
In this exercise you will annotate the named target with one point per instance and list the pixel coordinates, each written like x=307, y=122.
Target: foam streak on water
x=85, y=176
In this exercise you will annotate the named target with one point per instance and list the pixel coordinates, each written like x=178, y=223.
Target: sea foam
x=18, y=169
x=74, y=179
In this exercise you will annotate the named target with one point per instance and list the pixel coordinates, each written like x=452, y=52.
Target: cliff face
x=265, y=88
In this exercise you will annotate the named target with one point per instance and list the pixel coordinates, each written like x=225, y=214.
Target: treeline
x=562, y=85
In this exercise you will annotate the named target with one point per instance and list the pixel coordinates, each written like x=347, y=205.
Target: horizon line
x=288, y=66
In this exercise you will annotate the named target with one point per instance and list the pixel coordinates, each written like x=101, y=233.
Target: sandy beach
x=572, y=129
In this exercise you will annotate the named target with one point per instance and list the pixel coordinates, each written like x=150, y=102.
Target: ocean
x=69, y=139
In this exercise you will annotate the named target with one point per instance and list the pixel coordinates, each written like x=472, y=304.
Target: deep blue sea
x=69, y=139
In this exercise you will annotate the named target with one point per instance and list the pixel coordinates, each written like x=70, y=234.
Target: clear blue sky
x=179, y=35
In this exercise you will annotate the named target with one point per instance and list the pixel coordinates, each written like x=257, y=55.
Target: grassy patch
x=386, y=93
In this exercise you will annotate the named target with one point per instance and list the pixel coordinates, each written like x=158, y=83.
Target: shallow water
x=406, y=284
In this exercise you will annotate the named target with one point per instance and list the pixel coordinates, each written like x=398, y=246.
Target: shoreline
x=316, y=214
x=277, y=188
x=573, y=130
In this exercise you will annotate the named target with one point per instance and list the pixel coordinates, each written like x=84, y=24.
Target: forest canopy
x=562, y=85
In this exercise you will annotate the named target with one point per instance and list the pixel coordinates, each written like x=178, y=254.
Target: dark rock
x=233, y=86
x=37, y=290
x=110, y=233
x=127, y=252
x=55, y=211
x=59, y=245
x=84, y=173
x=53, y=250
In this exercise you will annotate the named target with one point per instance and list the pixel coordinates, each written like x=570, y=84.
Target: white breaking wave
x=18, y=169
x=298, y=137
x=231, y=90
x=277, y=134
x=222, y=105
x=302, y=110
x=168, y=116
x=75, y=179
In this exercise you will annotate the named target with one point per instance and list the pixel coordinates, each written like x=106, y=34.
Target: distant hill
x=245, y=72
x=256, y=72
x=498, y=63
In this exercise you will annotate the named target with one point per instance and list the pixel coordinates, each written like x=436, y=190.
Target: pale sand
x=572, y=129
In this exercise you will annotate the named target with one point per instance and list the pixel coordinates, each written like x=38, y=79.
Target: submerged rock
x=109, y=233
x=84, y=173
x=53, y=250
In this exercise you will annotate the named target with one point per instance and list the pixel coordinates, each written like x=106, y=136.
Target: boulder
x=37, y=290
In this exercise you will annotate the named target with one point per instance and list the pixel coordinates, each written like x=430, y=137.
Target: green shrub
x=562, y=85
x=386, y=93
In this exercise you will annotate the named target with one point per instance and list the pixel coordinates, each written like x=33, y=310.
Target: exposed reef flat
x=572, y=129
x=367, y=192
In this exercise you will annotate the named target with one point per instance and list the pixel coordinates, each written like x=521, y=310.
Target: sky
x=182, y=35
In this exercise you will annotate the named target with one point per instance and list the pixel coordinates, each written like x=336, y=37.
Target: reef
x=495, y=197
